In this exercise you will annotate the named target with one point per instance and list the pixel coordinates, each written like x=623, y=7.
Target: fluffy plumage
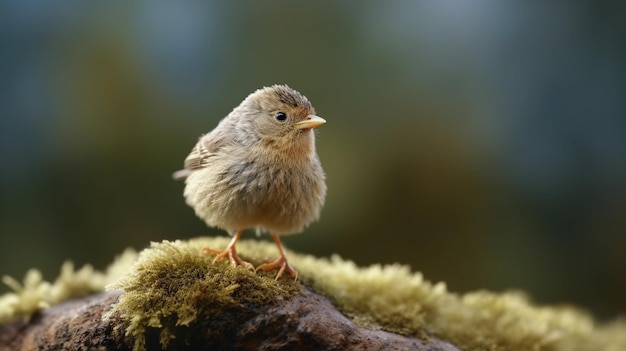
x=258, y=169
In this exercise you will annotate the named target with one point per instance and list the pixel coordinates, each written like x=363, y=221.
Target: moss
x=173, y=284
x=393, y=298
x=35, y=294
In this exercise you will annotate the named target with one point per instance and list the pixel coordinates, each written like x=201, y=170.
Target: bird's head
x=281, y=116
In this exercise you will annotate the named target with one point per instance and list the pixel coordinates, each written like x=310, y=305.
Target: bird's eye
x=281, y=116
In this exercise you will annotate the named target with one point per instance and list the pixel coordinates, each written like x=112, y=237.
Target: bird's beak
x=310, y=122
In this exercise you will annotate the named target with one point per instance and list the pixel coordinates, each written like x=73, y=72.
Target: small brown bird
x=258, y=169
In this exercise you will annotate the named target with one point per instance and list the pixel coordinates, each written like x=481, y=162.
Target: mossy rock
x=171, y=286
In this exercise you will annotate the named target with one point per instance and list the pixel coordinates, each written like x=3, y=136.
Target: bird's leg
x=230, y=252
x=281, y=263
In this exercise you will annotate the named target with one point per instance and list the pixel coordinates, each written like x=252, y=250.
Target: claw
x=281, y=263
x=232, y=256
x=231, y=253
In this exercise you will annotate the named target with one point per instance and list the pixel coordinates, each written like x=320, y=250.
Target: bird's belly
x=274, y=199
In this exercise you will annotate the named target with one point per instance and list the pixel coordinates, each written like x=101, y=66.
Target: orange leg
x=281, y=263
x=230, y=253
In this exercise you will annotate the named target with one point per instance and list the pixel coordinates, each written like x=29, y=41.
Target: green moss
x=35, y=294
x=394, y=298
x=173, y=284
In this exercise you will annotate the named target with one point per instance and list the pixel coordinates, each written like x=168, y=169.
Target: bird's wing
x=199, y=157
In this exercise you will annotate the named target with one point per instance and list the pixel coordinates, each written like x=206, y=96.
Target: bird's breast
x=282, y=197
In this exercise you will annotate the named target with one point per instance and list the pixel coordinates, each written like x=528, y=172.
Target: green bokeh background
x=482, y=143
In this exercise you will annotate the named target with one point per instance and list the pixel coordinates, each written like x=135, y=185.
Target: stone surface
x=307, y=321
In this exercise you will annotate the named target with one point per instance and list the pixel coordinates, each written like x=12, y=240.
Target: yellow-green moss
x=35, y=294
x=174, y=284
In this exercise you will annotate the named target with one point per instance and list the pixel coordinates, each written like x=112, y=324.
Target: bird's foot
x=282, y=265
x=232, y=256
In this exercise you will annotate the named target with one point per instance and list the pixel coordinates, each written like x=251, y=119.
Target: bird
x=258, y=169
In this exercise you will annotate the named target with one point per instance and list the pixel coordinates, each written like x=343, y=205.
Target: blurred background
x=482, y=143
